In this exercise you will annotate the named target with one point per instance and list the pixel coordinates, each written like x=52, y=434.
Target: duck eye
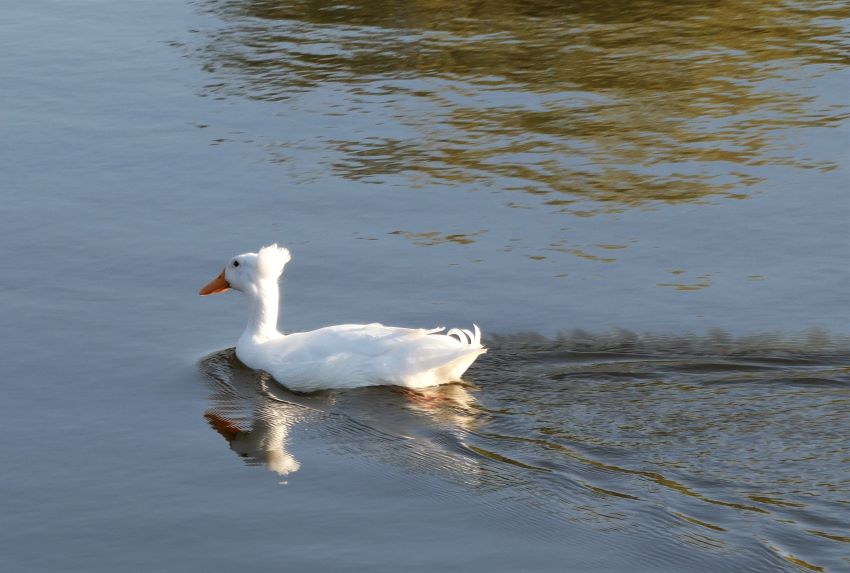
x=235, y=263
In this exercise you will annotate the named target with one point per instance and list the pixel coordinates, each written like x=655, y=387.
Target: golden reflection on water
x=431, y=238
x=620, y=103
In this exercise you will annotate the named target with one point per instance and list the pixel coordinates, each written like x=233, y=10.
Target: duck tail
x=465, y=336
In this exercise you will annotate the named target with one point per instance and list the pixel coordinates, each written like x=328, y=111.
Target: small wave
x=783, y=348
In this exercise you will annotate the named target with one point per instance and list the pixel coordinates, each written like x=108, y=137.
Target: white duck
x=342, y=356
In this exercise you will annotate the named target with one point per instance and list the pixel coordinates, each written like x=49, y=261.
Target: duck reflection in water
x=256, y=416
x=266, y=439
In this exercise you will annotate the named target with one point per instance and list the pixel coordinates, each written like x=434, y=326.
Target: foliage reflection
x=620, y=103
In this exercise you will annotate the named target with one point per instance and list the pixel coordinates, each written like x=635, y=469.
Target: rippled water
x=734, y=449
x=588, y=106
x=643, y=204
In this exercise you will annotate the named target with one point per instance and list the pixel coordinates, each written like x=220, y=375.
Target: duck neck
x=262, y=312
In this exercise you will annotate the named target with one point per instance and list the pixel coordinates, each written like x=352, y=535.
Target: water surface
x=654, y=195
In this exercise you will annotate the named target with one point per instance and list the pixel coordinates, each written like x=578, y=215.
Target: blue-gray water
x=643, y=205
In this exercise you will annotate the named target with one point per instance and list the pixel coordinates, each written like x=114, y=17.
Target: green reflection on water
x=620, y=103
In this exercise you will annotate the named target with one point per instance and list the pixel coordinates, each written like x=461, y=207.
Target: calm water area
x=644, y=205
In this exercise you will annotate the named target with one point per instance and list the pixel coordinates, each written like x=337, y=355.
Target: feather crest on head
x=271, y=260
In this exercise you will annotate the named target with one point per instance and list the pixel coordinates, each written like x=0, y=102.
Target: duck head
x=246, y=272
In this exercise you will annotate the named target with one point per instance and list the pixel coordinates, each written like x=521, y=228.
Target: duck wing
x=354, y=355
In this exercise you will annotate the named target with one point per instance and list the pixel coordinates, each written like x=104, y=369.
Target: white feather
x=271, y=260
x=457, y=332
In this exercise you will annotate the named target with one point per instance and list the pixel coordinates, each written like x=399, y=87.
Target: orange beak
x=218, y=284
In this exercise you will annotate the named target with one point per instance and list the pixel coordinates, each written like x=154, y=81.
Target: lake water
x=643, y=205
